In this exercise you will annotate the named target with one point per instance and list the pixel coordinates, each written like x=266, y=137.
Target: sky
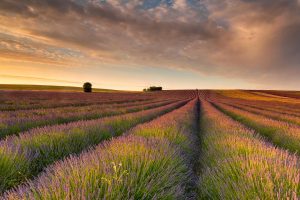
x=132, y=44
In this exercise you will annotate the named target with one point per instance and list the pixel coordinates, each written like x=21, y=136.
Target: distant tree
x=87, y=87
x=152, y=89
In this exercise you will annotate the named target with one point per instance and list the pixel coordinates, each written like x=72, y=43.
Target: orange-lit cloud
x=254, y=40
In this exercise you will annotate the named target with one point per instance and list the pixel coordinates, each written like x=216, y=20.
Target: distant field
x=262, y=95
x=292, y=94
x=181, y=144
x=49, y=88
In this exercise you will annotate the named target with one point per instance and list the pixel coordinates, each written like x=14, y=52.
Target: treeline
x=152, y=89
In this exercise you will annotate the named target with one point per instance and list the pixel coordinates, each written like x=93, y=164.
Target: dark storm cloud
x=284, y=40
x=83, y=24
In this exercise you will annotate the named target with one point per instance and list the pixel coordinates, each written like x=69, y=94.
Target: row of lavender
x=24, y=156
x=20, y=100
x=289, y=105
x=265, y=108
x=237, y=164
x=152, y=161
x=16, y=121
x=282, y=130
x=156, y=161
x=277, y=114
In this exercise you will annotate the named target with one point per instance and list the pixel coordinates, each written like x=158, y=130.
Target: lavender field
x=180, y=144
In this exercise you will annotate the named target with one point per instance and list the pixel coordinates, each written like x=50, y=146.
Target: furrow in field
x=16, y=122
x=24, y=156
x=284, y=110
x=247, y=95
x=72, y=105
x=52, y=105
x=286, y=106
x=271, y=114
x=237, y=164
x=280, y=133
x=21, y=100
x=272, y=108
x=152, y=161
x=16, y=100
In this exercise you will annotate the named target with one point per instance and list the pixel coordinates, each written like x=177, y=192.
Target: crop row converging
x=199, y=145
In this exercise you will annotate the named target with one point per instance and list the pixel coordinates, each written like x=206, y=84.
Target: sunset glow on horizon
x=132, y=44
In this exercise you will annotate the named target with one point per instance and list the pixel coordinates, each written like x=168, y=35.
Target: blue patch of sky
x=200, y=7
x=85, y=2
x=149, y=4
x=223, y=23
x=81, y=2
x=64, y=51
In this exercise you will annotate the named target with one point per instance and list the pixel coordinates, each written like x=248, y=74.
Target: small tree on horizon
x=87, y=87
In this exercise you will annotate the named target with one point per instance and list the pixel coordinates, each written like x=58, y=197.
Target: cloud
x=255, y=40
x=30, y=78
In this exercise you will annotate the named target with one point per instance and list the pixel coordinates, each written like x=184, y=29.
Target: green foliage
x=274, y=131
x=152, y=89
x=237, y=164
x=87, y=87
